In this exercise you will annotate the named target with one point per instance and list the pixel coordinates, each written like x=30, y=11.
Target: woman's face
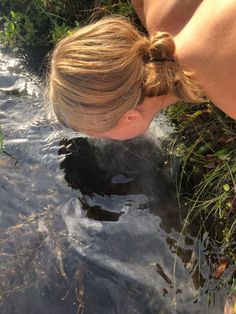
x=136, y=121
x=132, y=124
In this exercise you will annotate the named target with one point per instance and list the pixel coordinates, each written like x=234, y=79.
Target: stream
x=93, y=226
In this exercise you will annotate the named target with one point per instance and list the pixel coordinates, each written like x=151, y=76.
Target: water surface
x=90, y=226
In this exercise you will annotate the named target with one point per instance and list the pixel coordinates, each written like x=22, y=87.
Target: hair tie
x=170, y=59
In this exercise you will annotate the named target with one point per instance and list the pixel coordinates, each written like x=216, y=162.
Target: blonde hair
x=102, y=70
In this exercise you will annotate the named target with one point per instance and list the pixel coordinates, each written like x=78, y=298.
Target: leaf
x=205, y=148
x=13, y=14
x=12, y=26
x=223, y=153
x=220, y=269
x=233, y=169
x=226, y=187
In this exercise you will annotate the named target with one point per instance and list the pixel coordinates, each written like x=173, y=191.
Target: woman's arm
x=165, y=15
x=139, y=8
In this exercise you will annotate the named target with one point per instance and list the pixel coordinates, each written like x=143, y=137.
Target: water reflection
x=138, y=194
x=116, y=176
x=93, y=226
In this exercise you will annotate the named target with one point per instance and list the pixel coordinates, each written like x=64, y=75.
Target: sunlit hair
x=102, y=70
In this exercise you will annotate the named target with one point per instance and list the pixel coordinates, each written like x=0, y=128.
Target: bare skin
x=204, y=32
x=169, y=15
x=136, y=121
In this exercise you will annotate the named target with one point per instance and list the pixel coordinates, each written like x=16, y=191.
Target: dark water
x=93, y=227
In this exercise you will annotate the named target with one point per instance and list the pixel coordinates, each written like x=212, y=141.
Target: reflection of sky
x=127, y=221
x=126, y=263
x=118, y=203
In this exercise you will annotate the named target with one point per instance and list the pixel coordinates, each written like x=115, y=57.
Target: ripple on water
x=91, y=225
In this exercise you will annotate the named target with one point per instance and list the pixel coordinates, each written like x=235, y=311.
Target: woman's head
x=106, y=69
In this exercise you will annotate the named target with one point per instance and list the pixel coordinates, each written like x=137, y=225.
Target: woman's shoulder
x=168, y=15
x=206, y=47
x=211, y=29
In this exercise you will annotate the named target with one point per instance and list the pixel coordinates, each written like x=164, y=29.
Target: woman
x=108, y=80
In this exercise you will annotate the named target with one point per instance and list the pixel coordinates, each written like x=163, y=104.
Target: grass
x=203, y=137
x=31, y=28
x=204, y=140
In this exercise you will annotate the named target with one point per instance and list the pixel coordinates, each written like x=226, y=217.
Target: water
x=90, y=226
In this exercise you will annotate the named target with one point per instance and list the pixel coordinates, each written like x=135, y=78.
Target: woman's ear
x=132, y=116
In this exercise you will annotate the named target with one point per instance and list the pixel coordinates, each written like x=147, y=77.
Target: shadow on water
x=113, y=177
x=90, y=226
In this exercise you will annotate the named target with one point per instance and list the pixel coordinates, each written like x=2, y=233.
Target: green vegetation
x=32, y=27
x=204, y=140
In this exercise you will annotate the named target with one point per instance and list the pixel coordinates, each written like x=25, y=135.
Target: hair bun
x=162, y=47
